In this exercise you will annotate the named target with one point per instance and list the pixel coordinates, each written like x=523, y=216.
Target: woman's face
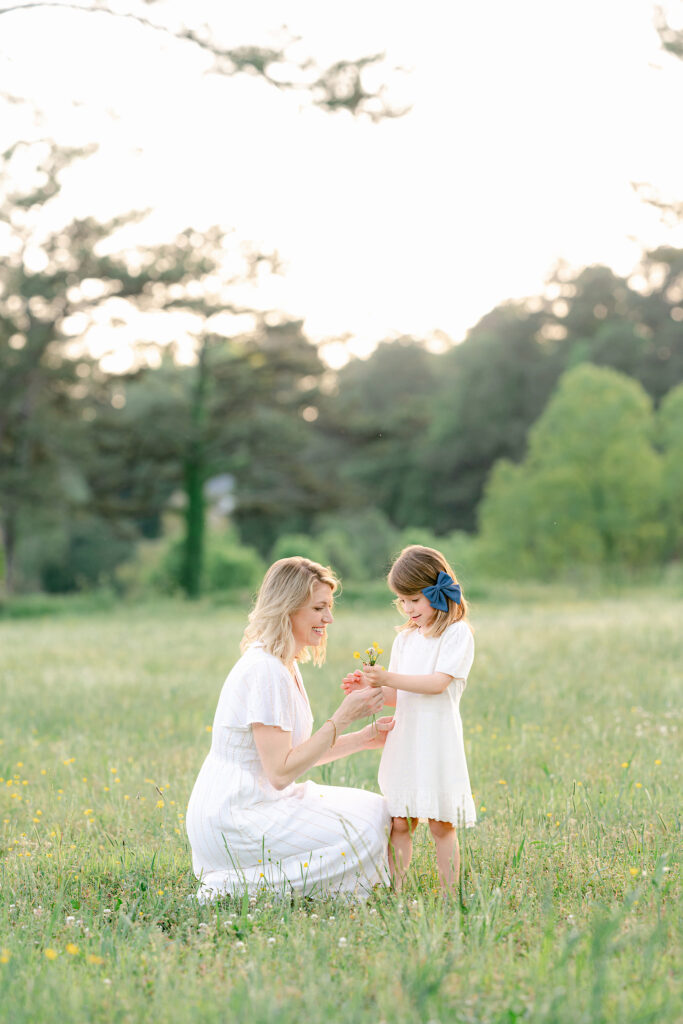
x=309, y=624
x=417, y=608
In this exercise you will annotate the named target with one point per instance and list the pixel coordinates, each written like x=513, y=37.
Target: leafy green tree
x=372, y=428
x=54, y=284
x=490, y=389
x=590, y=488
x=670, y=434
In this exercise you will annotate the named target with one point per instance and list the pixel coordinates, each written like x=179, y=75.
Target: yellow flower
x=502, y=782
x=208, y=728
x=51, y=954
x=88, y=810
x=658, y=760
x=624, y=764
x=639, y=785
x=634, y=871
x=160, y=803
x=356, y=654
x=93, y=959
x=71, y=948
x=4, y=956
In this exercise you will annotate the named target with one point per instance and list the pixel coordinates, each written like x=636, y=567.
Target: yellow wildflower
x=71, y=948
x=51, y=954
x=92, y=958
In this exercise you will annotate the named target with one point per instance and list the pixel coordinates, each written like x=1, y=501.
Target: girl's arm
x=284, y=763
x=436, y=682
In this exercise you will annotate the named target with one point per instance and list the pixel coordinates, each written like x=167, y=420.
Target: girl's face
x=417, y=608
x=309, y=623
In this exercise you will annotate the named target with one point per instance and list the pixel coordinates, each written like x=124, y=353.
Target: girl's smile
x=417, y=608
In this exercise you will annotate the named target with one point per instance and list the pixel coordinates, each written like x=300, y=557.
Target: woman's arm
x=371, y=737
x=436, y=682
x=284, y=763
x=354, y=681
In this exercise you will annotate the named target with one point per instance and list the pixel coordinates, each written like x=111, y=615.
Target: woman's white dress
x=245, y=834
x=423, y=771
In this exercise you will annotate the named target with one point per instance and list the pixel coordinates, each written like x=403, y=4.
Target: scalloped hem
x=414, y=805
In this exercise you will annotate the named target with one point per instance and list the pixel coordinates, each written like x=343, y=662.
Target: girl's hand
x=377, y=732
x=374, y=675
x=359, y=704
x=353, y=681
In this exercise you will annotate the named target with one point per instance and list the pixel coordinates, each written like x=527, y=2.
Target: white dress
x=245, y=834
x=423, y=771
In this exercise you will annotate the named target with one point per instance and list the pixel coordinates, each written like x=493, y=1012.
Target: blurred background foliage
x=548, y=442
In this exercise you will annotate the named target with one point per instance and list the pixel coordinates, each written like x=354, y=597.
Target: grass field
x=570, y=900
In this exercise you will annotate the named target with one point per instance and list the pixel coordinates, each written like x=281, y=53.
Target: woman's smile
x=309, y=623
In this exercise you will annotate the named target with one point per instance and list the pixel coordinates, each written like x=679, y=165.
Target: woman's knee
x=441, y=829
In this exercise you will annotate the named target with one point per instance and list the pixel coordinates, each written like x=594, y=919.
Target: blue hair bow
x=443, y=589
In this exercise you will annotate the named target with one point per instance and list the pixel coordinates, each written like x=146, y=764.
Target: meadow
x=569, y=906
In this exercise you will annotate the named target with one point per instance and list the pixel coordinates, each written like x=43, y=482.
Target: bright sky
x=529, y=122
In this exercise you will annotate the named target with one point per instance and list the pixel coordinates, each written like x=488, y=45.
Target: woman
x=249, y=823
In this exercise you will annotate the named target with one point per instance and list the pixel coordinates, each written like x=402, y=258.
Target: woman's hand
x=358, y=704
x=374, y=675
x=353, y=681
x=377, y=732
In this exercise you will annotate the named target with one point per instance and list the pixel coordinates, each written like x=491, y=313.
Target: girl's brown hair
x=286, y=587
x=416, y=568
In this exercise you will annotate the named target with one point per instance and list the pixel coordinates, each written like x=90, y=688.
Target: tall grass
x=569, y=909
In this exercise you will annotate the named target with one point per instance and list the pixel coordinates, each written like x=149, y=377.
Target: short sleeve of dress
x=259, y=689
x=395, y=653
x=456, y=651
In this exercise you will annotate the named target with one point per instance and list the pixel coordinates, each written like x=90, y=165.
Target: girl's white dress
x=423, y=771
x=245, y=834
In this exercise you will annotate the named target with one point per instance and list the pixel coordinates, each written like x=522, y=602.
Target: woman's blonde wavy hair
x=287, y=587
x=416, y=568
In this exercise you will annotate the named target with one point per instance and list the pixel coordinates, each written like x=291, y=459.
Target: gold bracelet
x=335, y=730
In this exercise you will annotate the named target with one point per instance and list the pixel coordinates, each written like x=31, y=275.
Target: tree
x=341, y=86
x=372, y=426
x=670, y=436
x=54, y=283
x=589, y=490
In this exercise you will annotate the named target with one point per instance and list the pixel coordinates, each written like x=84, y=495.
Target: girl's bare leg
x=447, y=853
x=400, y=849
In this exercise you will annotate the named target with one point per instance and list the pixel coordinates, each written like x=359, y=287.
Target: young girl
x=423, y=771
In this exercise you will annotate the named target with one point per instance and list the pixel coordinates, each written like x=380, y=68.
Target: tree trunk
x=9, y=536
x=193, y=544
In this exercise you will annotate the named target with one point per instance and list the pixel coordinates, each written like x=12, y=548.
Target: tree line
x=346, y=462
